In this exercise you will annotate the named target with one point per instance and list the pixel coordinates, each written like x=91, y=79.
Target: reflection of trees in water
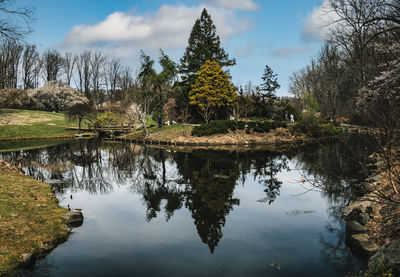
x=335, y=170
x=138, y=167
x=78, y=165
x=202, y=181
x=336, y=167
x=211, y=180
x=335, y=252
x=156, y=183
x=266, y=168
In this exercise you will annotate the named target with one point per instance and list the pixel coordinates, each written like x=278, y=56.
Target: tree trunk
x=79, y=122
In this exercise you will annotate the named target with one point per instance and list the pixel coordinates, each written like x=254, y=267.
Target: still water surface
x=154, y=212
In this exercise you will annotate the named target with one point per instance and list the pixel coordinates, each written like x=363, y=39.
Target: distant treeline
x=359, y=55
x=168, y=92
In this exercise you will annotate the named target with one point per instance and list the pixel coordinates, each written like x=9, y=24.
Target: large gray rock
x=362, y=246
x=366, y=205
x=363, y=218
x=353, y=228
x=73, y=219
x=27, y=259
x=388, y=257
x=46, y=246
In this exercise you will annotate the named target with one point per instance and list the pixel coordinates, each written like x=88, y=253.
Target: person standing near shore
x=291, y=118
x=159, y=121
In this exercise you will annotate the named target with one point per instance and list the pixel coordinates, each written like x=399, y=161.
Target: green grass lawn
x=6, y=146
x=165, y=133
x=27, y=124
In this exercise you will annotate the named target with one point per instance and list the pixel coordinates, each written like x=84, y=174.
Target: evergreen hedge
x=223, y=127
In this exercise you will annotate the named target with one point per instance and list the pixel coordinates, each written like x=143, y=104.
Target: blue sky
x=283, y=34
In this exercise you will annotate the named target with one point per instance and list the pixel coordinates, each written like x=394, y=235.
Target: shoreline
x=32, y=221
x=279, y=138
x=276, y=137
x=365, y=214
x=72, y=136
x=276, y=145
x=29, y=259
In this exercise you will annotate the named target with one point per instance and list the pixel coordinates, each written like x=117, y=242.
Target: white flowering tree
x=57, y=96
x=379, y=102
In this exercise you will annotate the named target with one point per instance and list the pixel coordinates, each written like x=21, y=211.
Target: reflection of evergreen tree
x=209, y=193
x=266, y=168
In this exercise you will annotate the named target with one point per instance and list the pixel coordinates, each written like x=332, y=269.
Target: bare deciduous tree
x=354, y=32
x=53, y=62
x=127, y=83
x=69, y=64
x=30, y=60
x=113, y=74
x=10, y=54
x=96, y=64
x=83, y=69
x=379, y=101
x=14, y=22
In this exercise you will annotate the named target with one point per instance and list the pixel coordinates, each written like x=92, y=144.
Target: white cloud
x=169, y=27
x=246, y=5
x=319, y=23
x=284, y=52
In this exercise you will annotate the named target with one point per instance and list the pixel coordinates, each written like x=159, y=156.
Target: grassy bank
x=30, y=219
x=26, y=124
x=177, y=134
x=227, y=132
x=167, y=133
x=19, y=145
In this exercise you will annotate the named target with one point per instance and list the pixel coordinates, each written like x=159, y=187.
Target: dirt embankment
x=276, y=136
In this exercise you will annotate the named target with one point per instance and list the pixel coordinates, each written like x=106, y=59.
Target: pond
x=162, y=212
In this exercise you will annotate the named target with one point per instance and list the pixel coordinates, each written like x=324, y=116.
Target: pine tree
x=147, y=74
x=204, y=44
x=270, y=82
x=212, y=90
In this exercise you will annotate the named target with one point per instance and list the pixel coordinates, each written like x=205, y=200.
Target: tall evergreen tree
x=204, y=44
x=270, y=82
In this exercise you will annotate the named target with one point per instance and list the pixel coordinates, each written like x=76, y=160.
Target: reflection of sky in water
x=259, y=239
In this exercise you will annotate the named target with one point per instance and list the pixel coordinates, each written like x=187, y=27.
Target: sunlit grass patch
x=26, y=124
x=30, y=217
x=167, y=132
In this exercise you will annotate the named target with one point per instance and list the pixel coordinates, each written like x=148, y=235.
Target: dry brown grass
x=30, y=218
x=386, y=226
x=279, y=135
